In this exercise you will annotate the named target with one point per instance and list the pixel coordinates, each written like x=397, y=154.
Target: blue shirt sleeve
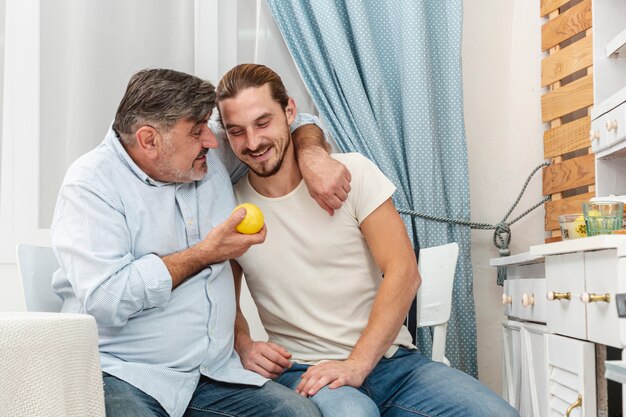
x=92, y=243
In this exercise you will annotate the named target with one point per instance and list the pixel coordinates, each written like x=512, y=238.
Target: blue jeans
x=408, y=385
x=211, y=398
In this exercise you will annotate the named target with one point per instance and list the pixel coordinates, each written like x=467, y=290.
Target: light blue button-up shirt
x=111, y=225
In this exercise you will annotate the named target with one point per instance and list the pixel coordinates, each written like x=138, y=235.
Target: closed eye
x=236, y=132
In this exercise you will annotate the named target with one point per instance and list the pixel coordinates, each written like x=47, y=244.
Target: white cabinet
x=571, y=370
x=525, y=370
x=549, y=360
x=583, y=277
x=565, y=278
x=525, y=336
x=534, y=397
x=608, y=117
x=512, y=362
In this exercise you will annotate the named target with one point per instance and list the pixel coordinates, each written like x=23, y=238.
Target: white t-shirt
x=314, y=279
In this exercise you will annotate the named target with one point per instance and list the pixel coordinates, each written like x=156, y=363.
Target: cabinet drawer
x=608, y=129
x=600, y=288
x=528, y=299
x=565, y=279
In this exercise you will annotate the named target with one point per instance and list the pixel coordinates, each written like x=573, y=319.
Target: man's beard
x=279, y=163
x=175, y=174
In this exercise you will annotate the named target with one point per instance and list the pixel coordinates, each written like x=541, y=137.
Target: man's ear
x=146, y=137
x=291, y=111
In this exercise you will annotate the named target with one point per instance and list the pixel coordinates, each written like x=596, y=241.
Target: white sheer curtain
x=67, y=63
x=2, y=18
x=88, y=52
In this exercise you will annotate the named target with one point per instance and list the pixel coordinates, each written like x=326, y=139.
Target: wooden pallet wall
x=567, y=72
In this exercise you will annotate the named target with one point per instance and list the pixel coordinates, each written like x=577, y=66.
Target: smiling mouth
x=260, y=153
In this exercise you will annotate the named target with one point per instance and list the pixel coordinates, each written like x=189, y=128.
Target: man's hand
x=334, y=374
x=224, y=242
x=327, y=179
x=221, y=244
x=265, y=358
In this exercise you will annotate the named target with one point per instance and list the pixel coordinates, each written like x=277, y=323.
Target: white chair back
x=36, y=265
x=437, y=266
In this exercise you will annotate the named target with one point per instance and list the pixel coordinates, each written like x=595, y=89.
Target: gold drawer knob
x=592, y=298
x=576, y=404
x=559, y=296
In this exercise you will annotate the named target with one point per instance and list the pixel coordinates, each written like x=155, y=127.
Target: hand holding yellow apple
x=253, y=221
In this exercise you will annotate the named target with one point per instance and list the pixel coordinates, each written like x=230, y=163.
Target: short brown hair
x=252, y=75
x=162, y=97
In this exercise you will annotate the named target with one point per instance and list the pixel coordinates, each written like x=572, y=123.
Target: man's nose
x=254, y=140
x=208, y=139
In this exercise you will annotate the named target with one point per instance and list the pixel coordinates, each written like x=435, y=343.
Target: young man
x=143, y=231
x=334, y=324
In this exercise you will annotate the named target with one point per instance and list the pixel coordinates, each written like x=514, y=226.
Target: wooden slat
x=567, y=24
x=570, y=174
x=567, y=61
x=568, y=205
x=548, y=6
x=566, y=138
x=571, y=97
x=553, y=239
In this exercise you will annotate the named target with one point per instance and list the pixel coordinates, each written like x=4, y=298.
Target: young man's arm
x=327, y=179
x=389, y=243
x=266, y=359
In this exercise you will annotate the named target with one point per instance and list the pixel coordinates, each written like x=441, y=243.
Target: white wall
x=501, y=76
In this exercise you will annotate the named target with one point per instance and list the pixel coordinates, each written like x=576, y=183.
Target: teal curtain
x=385, y=76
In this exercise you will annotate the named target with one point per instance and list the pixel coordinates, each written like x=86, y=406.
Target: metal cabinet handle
x=528, y=299
x=592, y=298
x=576, y=404
x=559, y=296
x=507, y=299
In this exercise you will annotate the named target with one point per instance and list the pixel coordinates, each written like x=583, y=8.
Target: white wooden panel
x=516, y=298
x=511, y=354
x=506, y=293
x=601, y=278
x=536, y=270
x=534, y=371
x=621, y=289
x=570, y=363
x=534, y=292
x=566, y=273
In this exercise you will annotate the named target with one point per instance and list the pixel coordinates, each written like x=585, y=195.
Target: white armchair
x=49, y=362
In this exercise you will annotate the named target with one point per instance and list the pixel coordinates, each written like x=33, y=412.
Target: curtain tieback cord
x=502, y=230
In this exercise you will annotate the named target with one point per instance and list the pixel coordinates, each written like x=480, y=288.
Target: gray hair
x=161, y=97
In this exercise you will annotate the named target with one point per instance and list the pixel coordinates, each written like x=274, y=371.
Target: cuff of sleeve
x=157, y=281
x=306, y=119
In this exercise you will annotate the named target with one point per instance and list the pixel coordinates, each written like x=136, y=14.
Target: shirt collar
x=114, y=141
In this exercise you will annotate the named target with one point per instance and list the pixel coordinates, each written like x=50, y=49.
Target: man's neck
x=283, y=182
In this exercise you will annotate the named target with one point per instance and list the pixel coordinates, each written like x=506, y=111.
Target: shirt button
x=203, y=369
x=189, y=222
